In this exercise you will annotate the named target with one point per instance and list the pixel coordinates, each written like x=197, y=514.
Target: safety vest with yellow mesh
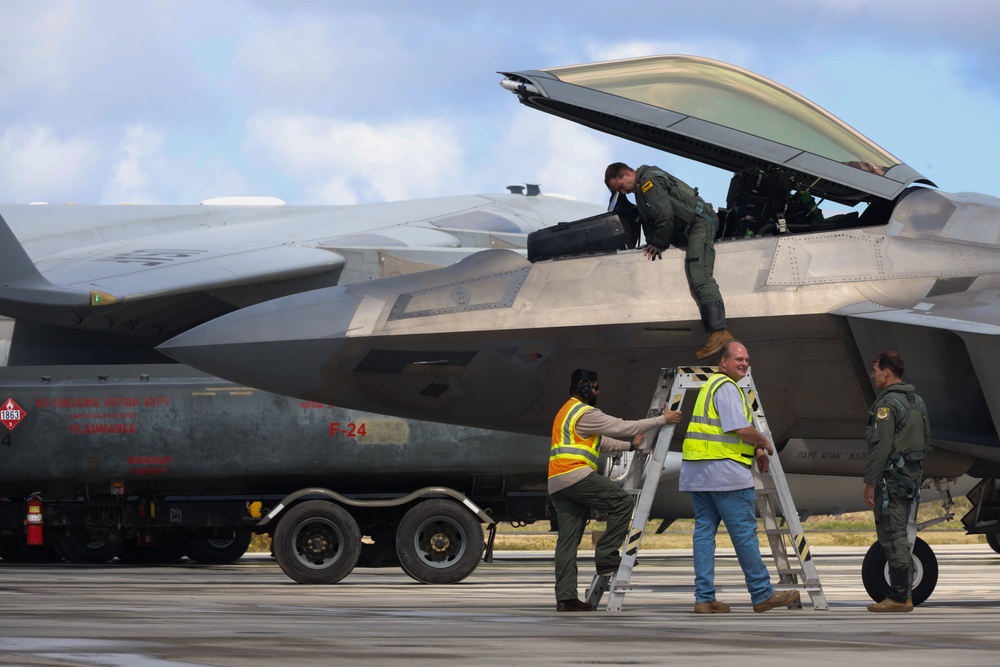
x=569, y=450
x=705, y=438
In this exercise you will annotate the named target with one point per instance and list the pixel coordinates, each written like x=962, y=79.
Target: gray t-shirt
x=720, y=474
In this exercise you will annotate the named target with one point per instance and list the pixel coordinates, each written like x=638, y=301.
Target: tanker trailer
x=148, y=463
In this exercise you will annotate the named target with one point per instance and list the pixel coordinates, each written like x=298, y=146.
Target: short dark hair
x=578, y=376
x=891, y=361
x=614, y=170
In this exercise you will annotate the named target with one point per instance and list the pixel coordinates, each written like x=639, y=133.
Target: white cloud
x=344, y=161
x=131, y=181
x=37, y=164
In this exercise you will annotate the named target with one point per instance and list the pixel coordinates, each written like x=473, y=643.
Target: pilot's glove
x=652, y=252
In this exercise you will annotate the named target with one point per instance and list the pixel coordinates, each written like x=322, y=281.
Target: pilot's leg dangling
x=699, y=265
x=713, y=316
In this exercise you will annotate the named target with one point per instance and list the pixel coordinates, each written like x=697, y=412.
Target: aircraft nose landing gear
x=875, y=568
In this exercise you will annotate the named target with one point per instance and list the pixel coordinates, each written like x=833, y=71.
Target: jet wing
x=721, y=115
x=154, y=271
x=949, y=342
x=963, y=313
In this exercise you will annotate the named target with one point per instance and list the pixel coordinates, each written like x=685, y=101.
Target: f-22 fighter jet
x=491, y=340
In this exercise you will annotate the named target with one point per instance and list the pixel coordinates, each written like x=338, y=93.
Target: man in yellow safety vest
x=718, y=453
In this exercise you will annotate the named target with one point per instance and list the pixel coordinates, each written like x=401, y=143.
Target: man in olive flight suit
x=898, y=434
x=673, y=213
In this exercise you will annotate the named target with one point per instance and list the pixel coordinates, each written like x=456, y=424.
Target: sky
x=330, y=102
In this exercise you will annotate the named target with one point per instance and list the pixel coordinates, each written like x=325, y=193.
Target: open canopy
x=719, y=114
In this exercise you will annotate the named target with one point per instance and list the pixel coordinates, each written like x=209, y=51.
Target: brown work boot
x=778, y=599
x=716, y=340
x=889, y=605
x=713, y=607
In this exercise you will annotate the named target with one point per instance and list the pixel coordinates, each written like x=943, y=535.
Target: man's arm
x=729, y=405
x=661, y=207
x=596, y=422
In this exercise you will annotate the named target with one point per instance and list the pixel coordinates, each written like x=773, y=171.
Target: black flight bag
x=600, y=234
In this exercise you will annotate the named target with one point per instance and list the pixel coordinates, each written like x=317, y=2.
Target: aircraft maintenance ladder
x=792, y=558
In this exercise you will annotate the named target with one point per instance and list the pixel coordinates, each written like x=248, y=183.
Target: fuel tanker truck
x=154, y=462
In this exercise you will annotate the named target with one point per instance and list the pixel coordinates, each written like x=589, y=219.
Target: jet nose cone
x=281, y=346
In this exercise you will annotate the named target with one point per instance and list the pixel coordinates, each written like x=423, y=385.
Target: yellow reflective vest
x=705, y=438
x=569, y=450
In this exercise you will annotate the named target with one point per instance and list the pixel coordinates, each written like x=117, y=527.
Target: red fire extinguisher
x=33, y=521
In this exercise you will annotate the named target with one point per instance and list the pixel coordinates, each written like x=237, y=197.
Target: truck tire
x=317, y=542
x=439, y=542
x=163, y=553
x=218, y=550
x=875, y=572
x=92, y=551
x=14, y=550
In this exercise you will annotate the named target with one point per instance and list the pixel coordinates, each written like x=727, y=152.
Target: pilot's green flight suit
x=898, y=434
x=673, y=214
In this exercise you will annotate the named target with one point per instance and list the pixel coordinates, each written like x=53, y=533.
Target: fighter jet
x=490, y=341
x=106, y=284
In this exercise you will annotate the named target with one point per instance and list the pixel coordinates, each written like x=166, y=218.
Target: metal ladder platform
x=787, y=541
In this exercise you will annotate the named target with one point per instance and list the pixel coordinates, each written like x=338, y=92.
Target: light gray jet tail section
x=21, y=282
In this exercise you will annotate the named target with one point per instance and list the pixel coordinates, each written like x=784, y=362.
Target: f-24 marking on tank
x=491, y=340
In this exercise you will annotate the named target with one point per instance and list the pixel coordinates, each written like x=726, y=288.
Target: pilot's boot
x=713, y=315
x=889, y=605
x=899, y=584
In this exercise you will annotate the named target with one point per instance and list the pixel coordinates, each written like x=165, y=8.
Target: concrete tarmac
x=250, y=613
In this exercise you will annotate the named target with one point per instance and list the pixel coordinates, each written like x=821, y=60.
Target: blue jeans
x=736, y=509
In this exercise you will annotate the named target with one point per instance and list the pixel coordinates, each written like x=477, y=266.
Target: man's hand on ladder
x=763, y=462
x=671, y=416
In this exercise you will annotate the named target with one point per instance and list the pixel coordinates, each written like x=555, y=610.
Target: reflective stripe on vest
x=569, y=450
x=705, y=438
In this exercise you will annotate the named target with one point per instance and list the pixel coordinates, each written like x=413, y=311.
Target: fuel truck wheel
x=162, y=553
x=875, y=572
x=14, y=550
x=439, y=542
x=218, y=550
x=317, y=542
x=93, y=551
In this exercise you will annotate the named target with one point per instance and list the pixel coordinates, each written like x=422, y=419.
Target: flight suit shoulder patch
x=882, y=412
x=646, y=187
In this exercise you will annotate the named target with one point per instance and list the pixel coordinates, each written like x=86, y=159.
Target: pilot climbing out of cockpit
x=898, y=434
x=672, y=213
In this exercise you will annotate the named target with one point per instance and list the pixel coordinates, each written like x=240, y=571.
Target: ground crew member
x=673, y=213
x=580, y=434
x=718, y=452
x=898, y=436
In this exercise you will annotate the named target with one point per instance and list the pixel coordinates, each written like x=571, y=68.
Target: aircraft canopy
x=718, y=114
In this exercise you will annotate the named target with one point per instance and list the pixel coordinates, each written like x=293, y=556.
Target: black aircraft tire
x=993, y=539
x=218, y=550
x=875, y=572
x=439, y=542
x=92, y=553
x=317, y=542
